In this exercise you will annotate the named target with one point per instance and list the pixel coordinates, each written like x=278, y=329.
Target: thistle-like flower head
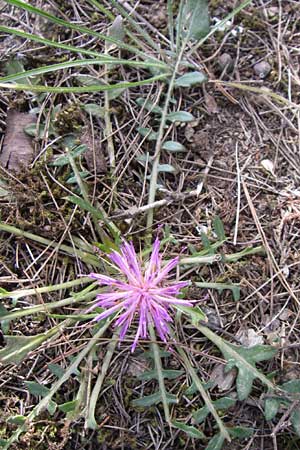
x=143, y=293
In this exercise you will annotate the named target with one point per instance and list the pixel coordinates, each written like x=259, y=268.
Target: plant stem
x=154, y=173
x=224, y=347
x=203, y=393
x=46, y=307
x=160, y=377
x=42, y=290
x=90, y=421
x=84, y=256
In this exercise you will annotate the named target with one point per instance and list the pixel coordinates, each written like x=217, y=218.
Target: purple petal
x=170, y=300
x=164, y=272
x=155, y=261
x=113, y=296
x=121, y=262
x=103, y=279
x=107, y=313
x=130, y=256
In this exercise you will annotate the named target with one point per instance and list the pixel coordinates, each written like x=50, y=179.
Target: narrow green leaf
x=94, y=109
x=72, y=26
x=219, y=228
x=3, y=312
x=234, y=288
x=240, y=432
x=148, y=105
x=56, y=369
x=244, y=382
x=73, y=179
x=37, y=389
x=153, y=399
x=172, y=146
x=271, y=408
x=81, y=89
x=220, y=404
x=167, y=168
x=180, y=116
x=115, y=93
x=195, y=19
x=63, y=160
x=68, y=407
x=17, y=347
x=85, y=206
x=195, y=313
x=191, y=431
x=16, y=420
x=23, y=76
x=242, y=358
x=151, y=135
x=166, y=373
x=190, y=79
x=216, y=443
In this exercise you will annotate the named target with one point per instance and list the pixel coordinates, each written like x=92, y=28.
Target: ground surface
x=243, y=146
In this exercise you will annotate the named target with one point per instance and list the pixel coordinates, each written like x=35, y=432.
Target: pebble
x=262, y=69
x=226, y=62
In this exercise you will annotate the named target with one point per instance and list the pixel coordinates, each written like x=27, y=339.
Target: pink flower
x=144, y=292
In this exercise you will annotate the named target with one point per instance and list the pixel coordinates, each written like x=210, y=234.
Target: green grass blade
x=47, y=42
x=81, y=89
x=46, y=307
x=77, y=63
x=159, y=370
x=72, y=26
x=44, y=289
x=90, y=421
x=86, y=257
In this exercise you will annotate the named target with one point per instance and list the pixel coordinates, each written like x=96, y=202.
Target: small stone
x=262, y=69
x=226, y=62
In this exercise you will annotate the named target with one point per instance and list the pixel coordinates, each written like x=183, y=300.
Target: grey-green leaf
x=219, y=228
x=94, y=110
x=240, y=432
x=271, y=408
x=191, y=431
x=180, y=116
x=153, y=399
x=56, y=369
x=17, y=420
x=172, y=146
x=116, y=31
x=244, y=382
x=151, y=135
x=37, y=389
x=168, y=168
x=68, y=407
x=196, y=19
x=216, y=443
x=17, y=347
x=166, y=373
x=190, y=79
